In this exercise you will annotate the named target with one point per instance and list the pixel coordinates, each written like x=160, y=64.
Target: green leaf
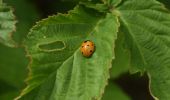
x=13, y=71
x=26, y=15
x=97, y=6
x=121, y=63
x=113, y=92
x=7, y=91
x=62, y=73
x=7, y=25
x=112, y=2
x=13, y=63
x=146, y=26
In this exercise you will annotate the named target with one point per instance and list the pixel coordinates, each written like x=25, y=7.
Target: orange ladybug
x=87, y=48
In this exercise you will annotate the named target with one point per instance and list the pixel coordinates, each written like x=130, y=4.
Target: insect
x=87, y=48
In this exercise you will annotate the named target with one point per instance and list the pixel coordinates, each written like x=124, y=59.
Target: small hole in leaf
x=52, y=46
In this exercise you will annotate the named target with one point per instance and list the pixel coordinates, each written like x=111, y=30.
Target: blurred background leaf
x=7, y=25
x=13, y=62
x=12, y=72
x=26, y=15
x=166, y=3
x=51, y=7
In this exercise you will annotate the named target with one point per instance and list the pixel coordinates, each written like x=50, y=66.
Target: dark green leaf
x=13, y=62
x=26, y=15
x=12, y=71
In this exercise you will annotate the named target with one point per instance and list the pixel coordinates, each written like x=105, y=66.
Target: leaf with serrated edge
x=146, y=25
x=7, y=25
x=62, y=73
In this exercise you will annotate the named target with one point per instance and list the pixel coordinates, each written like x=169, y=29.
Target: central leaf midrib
x=96, y=25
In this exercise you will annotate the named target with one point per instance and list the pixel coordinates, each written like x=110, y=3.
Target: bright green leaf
x=113, y=92
x=62, y=73
x=7, y=25
x=146, y=26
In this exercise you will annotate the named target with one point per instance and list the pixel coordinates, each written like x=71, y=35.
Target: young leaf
x=7, y=25
x=58, y=69
x=146, y=25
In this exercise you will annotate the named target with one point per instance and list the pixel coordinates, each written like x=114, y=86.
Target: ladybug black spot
x=91, y=51
x=85, y=41
x=82, y=46
x=87, y=45
x=82, y=52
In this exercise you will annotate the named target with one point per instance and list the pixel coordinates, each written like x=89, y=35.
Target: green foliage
x=13, y=63
x=12, y=72
x=122, y=62
x=112, y=91
x=26, y=15
x=148, y=39
x=7, y=25
x=58, y=71
x=66, y=73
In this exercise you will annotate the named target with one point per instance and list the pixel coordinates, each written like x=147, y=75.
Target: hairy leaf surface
x=146, y=26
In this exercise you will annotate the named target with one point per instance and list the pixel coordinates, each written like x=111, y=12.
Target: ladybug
x=87, y=48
